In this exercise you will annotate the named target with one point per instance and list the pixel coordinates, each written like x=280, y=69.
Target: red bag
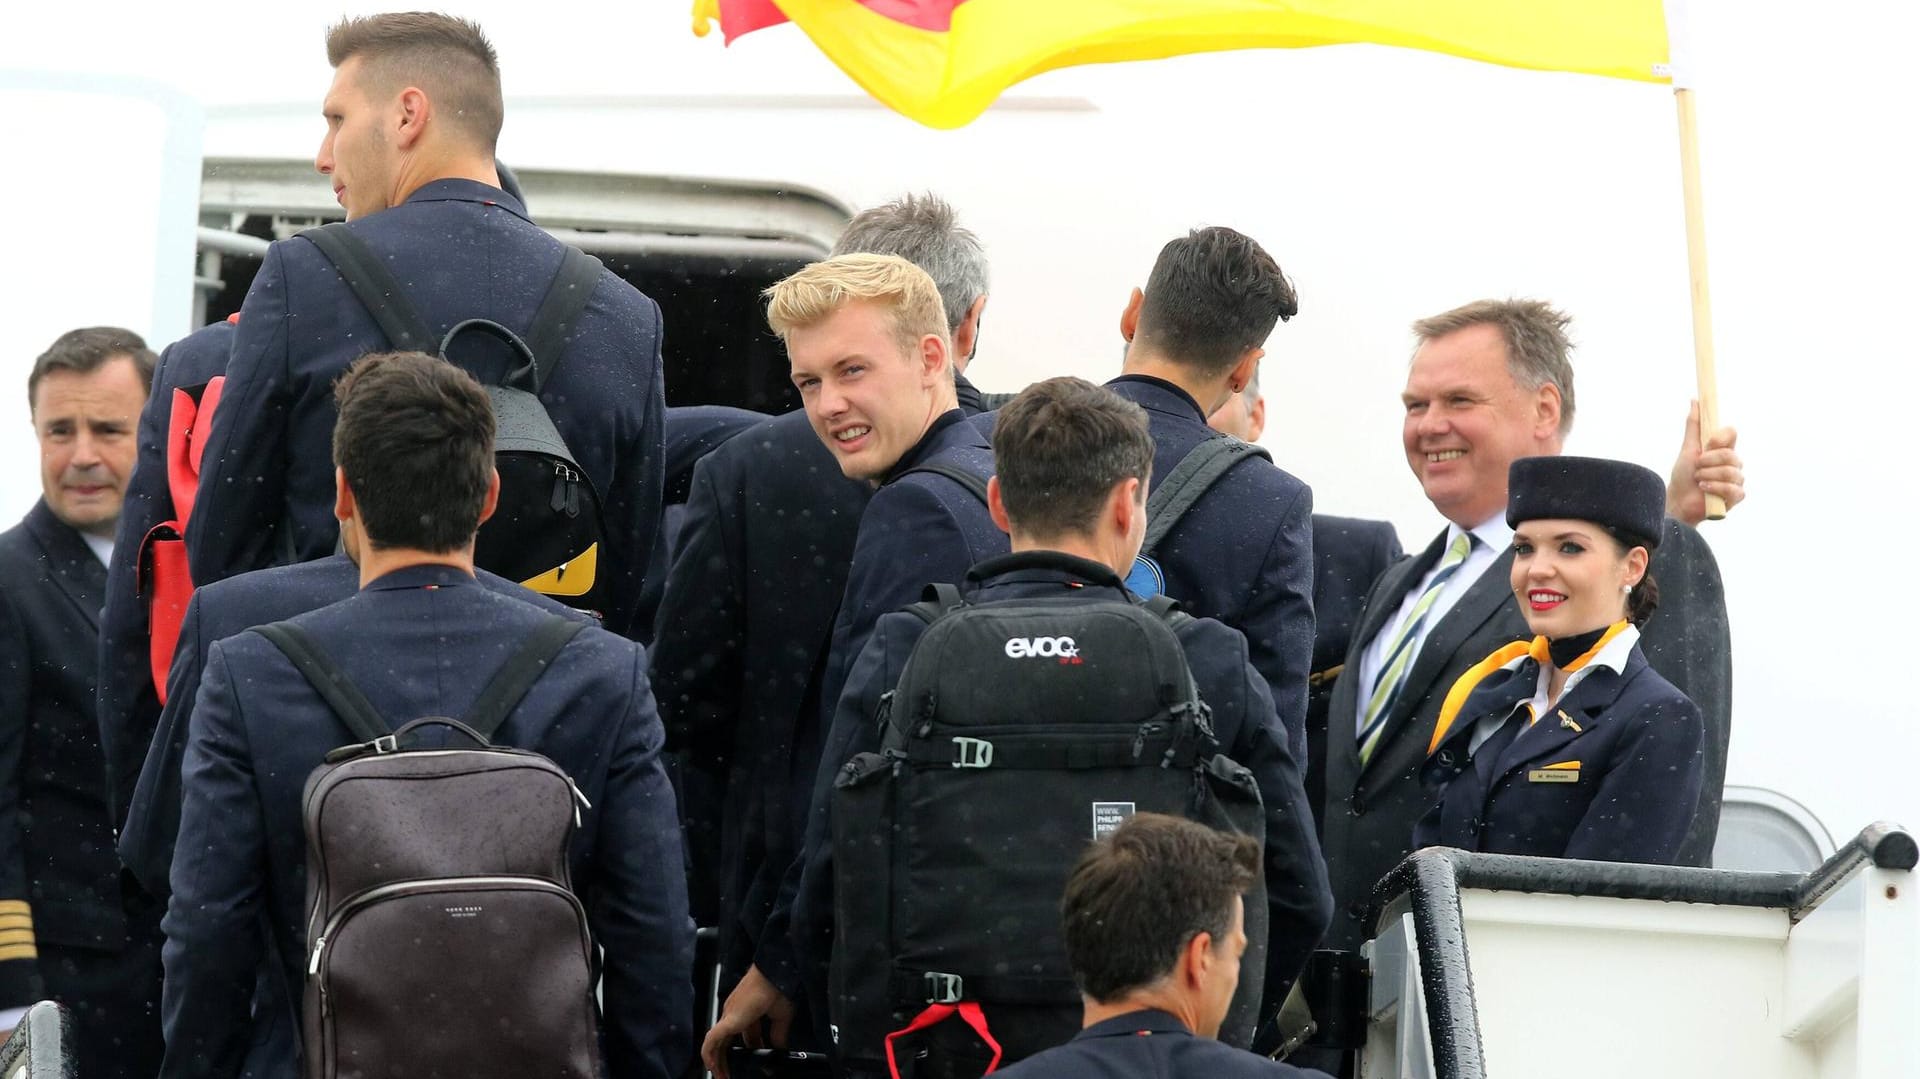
x=164, y=578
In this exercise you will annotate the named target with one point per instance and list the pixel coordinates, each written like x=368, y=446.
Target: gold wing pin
x=1567, y=722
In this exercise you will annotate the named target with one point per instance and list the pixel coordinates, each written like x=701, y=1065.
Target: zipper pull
x=558, y=502
x=313, y=965
x=580, y=800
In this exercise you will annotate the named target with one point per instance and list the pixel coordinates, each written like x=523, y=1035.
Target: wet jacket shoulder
x=918, y=529
x=465, y=250
x=1243, y=554
x=258, y=730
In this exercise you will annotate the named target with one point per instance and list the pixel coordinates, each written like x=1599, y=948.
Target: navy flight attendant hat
x=1613, y=494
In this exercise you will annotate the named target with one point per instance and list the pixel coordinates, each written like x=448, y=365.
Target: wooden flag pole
x=1697, y=279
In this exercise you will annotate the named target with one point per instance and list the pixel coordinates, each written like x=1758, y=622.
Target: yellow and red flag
x=942, y=62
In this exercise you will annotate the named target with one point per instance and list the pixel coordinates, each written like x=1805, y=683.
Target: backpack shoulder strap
x=939, y=599
x=522, y=669
x=327, y=679
x=1167, y=609
x=374, y=286
x=974, y=484
x=1199, y=470
x=560, y=312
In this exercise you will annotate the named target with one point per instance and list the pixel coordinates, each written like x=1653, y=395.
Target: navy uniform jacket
x=1611, y=775
x=215, y=613
x=1349, y=554
x=258, y=730
x=1149, y=1044
x=740, y=649
x=59, y=880
x=693, y=431
x=738, y=644
x=128, y=707
x=1243, y=554
x=1368, y=819
x=465, y=250
x=1243, y=722
x=918, y=529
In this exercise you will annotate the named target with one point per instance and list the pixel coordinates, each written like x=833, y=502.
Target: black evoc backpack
x=1019, y=732
x=547, y=531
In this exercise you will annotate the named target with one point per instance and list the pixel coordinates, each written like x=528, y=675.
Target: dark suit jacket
x=419, y=641
x=693, y=432
x=1349, y=554
x=128, y=707
x=1367, y=821
x=59, y=880
x=1243, y=721
x=1636, y=749
x=465, y=250
x=1243, y=554
x=919, y=528
x=215, y=613
x=1149, y=1043
x=739, y=642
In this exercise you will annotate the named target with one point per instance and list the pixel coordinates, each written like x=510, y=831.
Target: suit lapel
x=77, y=572
x=1399, y=580
x=1557, y=733
x=1481, y=602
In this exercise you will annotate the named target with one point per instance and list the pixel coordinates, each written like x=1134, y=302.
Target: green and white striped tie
x=1393, y=674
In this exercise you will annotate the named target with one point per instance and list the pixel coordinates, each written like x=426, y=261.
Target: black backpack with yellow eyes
x=547, y=530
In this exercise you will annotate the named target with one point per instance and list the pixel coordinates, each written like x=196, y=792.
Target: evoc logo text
x=1061, y=648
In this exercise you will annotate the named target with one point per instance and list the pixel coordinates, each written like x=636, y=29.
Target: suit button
x=1447, y=758
x=1357, y=911
x=1358, y=805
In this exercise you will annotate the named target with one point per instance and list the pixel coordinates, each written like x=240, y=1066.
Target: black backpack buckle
x=943, y=988
x=972, y=753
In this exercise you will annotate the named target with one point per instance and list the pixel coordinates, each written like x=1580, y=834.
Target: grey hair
x=1536, y=337
x=924, y=230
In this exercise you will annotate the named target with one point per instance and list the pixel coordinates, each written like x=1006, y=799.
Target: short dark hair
x=1137, y=897
x=1213, y=294
x=1059, y=447
x=451, y=59
x=924, y=230
x=415, y=438
x=86, y=350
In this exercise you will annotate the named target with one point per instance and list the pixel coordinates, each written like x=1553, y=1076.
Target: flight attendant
x=1570, y=745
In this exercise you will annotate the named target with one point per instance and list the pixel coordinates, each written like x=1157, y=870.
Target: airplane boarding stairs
x=1493, y=965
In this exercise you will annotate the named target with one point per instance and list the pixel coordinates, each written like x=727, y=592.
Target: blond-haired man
x=867, y=340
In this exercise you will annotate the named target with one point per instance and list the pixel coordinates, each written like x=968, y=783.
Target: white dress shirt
x=1491, y=540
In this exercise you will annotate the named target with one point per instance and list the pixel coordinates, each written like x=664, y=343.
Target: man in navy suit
x=419, y=638
x=1490, y=383
x=412, y=118
x=743, y=631
x=1154, y=930
x=1349, y=554
x=1244, y=553
x=128, y=705
x=68, y=931
x=1070, y=490
x=867, y=341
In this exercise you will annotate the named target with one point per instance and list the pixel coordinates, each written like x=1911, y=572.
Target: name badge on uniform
x=1145, y=579
x=1563, y=772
